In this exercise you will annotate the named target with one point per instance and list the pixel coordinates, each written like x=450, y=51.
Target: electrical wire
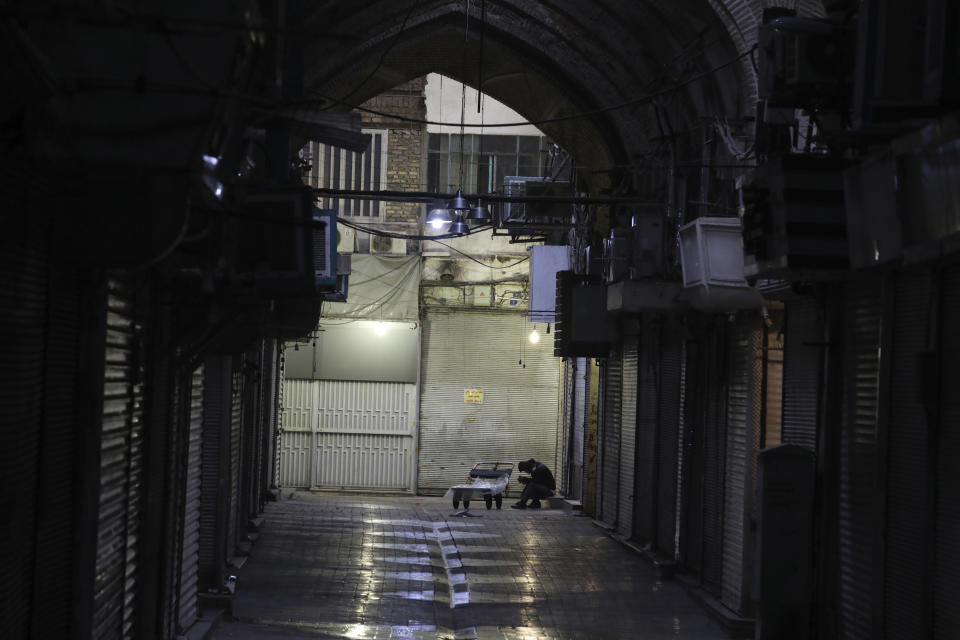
x=467, y=255
x=387, y=51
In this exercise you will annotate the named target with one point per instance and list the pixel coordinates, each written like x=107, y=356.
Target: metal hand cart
x=488, y=480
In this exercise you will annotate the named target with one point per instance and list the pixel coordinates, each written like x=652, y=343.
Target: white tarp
x=380, y=287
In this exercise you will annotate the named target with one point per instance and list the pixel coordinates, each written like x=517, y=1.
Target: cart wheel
x=456, y=503
x=499, y=500
x=489, y=501
x=466, y=504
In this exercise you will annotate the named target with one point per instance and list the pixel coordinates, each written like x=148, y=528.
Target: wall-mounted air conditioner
x=283, y=245
x=794, y=219
x=385, y=245
x=524, y=217
x=711, y=255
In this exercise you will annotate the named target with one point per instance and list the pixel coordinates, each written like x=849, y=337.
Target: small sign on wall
x=473, y=396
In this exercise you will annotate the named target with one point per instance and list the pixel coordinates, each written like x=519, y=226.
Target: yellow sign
x=473, y=396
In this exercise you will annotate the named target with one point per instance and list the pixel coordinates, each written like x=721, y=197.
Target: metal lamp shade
x=479, y=214
x=438, y=216
x=459, y=226
x=459, y=203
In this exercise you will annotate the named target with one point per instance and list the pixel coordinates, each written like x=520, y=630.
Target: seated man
x=540, y=484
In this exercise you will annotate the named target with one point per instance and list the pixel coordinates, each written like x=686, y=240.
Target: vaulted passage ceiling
x=547, y=60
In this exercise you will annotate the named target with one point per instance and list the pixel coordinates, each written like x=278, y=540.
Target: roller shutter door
x=744, y=377
x=215, y=480
x=628, y=439
x=189, y=563
x=519, y=417
x=907, y=464
x=115, y=584
x=23, y=296
x=714, y=441
x=610, y=437
x=668, y=444
x=801, y=373
x=858, y=455
x=947, y=561
x=236, y=431
x=645, y=409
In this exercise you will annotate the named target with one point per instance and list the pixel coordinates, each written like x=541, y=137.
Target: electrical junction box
x=711, y=254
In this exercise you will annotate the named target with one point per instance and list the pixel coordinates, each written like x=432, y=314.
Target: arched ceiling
x=545, y=59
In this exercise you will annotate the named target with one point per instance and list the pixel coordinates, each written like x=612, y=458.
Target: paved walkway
x=358, y=567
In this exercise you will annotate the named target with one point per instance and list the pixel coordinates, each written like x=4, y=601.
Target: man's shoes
x=535, y=504
x=518, y=505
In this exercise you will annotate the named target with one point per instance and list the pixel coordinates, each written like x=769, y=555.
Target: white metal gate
x=348, y=434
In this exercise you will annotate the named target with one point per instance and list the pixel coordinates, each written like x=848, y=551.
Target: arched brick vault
x=552, y=58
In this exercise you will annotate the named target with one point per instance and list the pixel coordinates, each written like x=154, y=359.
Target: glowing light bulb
x=436, y=224
x=534, y=337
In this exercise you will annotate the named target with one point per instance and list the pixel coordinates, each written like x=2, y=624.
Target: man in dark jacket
x=540, y=484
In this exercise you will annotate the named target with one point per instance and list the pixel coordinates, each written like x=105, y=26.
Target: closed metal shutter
x=645, y=478
x=858, y=454
x=907, y=490
x=744, y=377
x=189, y=557
x=115, y=584
x=215, y=480
x=236, y=430
x=580, y=401
x=801, y=373
x=565, y=441
x=668, y=444
x=610, y=437
x=520, y=414
x=714, y=441
x=628, y=438
x=947, y=572
x=23, y=298
x=364, y=435
x=692, y=455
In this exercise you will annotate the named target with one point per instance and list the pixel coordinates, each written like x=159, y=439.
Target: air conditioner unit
x=388, y=246
x=584, y=326
x=524, y=217
x=802, y=61
x=283, y=245
x=346, y=239
x=794, y=219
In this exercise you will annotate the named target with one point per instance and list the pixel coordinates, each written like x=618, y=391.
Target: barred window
x=335, y=168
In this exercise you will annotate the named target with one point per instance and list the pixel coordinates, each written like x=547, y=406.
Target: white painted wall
x=443, y=105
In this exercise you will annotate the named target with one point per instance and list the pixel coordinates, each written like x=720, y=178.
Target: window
x=335, y=168
x=487, y=160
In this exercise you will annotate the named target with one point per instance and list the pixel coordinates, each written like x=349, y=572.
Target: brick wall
x=406, y=143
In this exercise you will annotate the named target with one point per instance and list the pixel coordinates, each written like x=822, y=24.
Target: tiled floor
x=358, y=567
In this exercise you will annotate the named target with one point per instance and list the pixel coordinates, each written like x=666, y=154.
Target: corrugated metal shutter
x=519, y=417
x=565, y=441
x=714, y=441
x=579, y=401
x=858, y=459
x=801, y=373
x=645, y=477
x=23, y=298
x=364, y=434
x=947, y=572
x=115, y=585
x=744, y=375
x=668, y=444
x=628, y=437
x=215, y=480
x=236, y=431
x=610, y=437
x=189, y=557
